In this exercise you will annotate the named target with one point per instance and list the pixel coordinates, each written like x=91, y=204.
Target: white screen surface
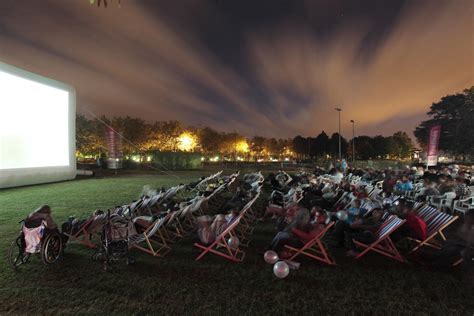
x=33, y=124
x=37, y=128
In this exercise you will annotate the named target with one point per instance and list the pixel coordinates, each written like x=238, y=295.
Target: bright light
x=149, y=158
x=242, y=146
x=33, y=124
x=287, y=159
x=186, y=141
x=37, y=118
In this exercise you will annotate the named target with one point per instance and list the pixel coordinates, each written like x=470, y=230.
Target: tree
x=90, y=138
x=403, y=145
x=333, y=145
x=257, y=146
x=365, y=149
x=300, y=146
x=210, y=140
x=134, y=133
x=455, y=114
x=321, y=144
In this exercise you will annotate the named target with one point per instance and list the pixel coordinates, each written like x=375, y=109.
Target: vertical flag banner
x=432, y=157
x=115, y=149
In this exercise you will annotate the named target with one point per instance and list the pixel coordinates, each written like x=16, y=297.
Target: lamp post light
x=339, y=110
x=353, y=141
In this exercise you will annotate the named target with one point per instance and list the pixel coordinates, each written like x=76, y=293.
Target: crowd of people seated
x=303, y=203
x=210, y=227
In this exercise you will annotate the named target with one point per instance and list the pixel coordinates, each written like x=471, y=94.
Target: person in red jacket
x=414, y=226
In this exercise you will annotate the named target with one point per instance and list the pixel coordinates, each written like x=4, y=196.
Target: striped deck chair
x=427, y=212
x=314, y=248
x=418, y=205
x=173, y=229
x=153, y=240
x=247, y=221
x=220, y=246
x=434, y=228
x=383, y=244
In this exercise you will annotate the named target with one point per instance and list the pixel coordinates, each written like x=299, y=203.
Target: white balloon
x=342, y=215
x=270, y=257
x=281, y=269
x=233, y=242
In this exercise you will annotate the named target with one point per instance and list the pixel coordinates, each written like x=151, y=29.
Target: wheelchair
x=36, y=238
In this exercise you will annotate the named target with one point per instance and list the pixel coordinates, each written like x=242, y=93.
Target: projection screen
x=37, y=128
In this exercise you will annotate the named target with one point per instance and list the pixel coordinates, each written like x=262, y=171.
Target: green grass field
x=177, y=284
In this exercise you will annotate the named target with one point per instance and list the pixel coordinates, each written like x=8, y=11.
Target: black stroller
x=115, y=241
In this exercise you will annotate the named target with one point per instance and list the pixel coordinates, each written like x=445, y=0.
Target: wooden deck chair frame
x=153, y=235
x=247, y=222
x=314, y=248
x=221, y=247
x=435, y=228
x=173, y=228
x=82, y=235
x=384, y=245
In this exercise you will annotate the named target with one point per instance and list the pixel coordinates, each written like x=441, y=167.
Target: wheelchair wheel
x=51, y=248
x=16, y=255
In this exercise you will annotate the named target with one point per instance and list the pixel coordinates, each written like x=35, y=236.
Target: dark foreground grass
x=177, y=284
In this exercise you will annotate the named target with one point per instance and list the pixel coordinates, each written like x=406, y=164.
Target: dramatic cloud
x=137, y=61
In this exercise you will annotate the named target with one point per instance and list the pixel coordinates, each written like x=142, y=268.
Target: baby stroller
x=115, y=241
x=38, y=235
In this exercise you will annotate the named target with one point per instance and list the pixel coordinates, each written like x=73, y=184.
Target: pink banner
x=114, y=144
x=433, y=143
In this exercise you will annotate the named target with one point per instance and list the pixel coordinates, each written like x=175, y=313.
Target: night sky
x=275, y=68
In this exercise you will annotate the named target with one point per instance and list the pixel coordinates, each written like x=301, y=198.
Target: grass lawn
x=177, y=284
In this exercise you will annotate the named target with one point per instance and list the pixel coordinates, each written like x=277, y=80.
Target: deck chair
x=418, y=205
x=153, y=240
x=314, y=248
x=383, y=244
x=427, y=212
x=221, y=247
x=173, y=229
x=434, y=227
x=83, y=235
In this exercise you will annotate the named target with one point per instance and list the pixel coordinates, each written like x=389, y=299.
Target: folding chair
x=463, y=206
x=315, y=248
x=153, y=235
x=434, y=228
x=383, y=244
x=221, y=247
x=83, y=236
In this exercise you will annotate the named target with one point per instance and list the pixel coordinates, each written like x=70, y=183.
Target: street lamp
x=353, y=142
x=339, y=110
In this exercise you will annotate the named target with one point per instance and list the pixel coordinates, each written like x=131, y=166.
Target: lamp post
x=353, y=141
x=339, y=110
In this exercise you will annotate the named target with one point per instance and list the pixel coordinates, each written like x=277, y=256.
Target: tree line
x=455, y=114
